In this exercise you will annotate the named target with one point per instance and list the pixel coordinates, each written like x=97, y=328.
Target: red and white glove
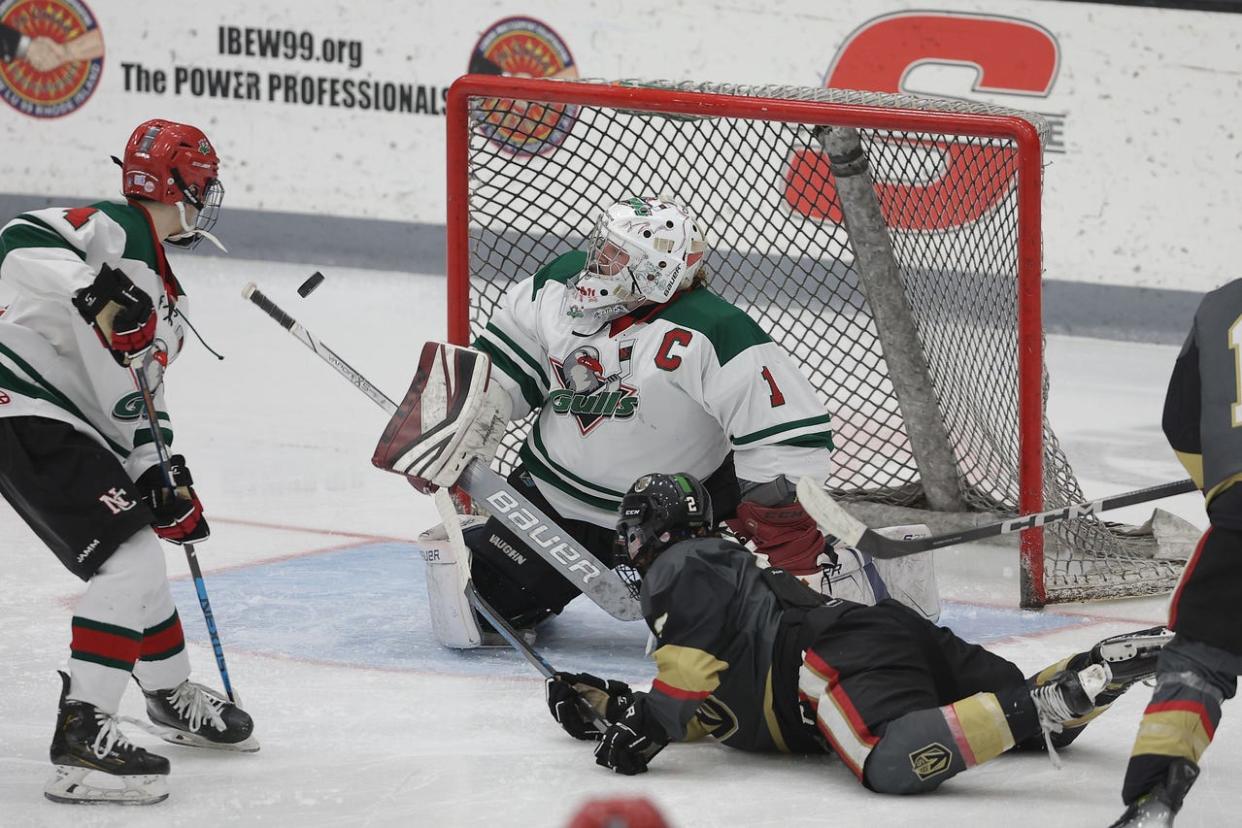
x=178, y=512
x=120, y=312
x=787, y=535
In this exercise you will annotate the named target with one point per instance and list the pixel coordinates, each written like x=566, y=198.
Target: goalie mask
x=175, y=164
x=658, y=511
x=642, y=250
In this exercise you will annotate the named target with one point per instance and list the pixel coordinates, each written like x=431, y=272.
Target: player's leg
x=78, y=499
x=1196, y=673
x=185, y=712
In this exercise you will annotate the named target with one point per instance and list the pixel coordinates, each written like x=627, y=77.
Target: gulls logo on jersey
x=588, y=393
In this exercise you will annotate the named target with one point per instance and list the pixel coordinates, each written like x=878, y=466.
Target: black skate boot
x=194, y=715
x=1157, y=807
x=95, y=763
x=1131, y=658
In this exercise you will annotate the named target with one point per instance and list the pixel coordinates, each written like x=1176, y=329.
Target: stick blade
x=833, y=519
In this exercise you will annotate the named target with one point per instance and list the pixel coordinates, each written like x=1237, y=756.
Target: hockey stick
x=542, y=534
x=839, y=523
x=502, y=626
x=191, y=557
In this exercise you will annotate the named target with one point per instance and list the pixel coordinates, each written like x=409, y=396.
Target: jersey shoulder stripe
x=27, y=231
x=531, y=391
x=561, y=269
x=729, y=329
x=809, y=432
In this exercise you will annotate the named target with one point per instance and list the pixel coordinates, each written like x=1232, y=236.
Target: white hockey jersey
x=672, y=387
x=52, y=363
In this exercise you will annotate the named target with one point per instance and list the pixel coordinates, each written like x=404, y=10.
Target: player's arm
x=1182, y=407
x=512, y=342
x=686, y=605
x=63, y=256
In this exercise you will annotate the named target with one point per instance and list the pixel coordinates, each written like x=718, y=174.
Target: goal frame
x=1022, y=133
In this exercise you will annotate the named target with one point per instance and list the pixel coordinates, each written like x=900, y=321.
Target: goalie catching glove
x=120, y=313
x=568, y=692
x=451, y=415
x=178, y=512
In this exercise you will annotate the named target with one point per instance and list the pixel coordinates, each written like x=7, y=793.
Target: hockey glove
x=787, y=535
x=120, y=313
x=567, y=693
x=631, y=741
x=178, y=512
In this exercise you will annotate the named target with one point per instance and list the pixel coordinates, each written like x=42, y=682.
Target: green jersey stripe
x=756, y=436
x=530, y=389
x=821, y=439
x=519, y=351
x=18, y=236
x=39, y=388
x=538, y=470
x=536, y=437
x=141, y=438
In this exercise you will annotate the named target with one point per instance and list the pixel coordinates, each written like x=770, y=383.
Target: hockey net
x=957, y=187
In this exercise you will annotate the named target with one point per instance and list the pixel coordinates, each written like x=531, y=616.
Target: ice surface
x=318, y=593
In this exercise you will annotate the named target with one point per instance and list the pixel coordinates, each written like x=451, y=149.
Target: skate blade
x=181, y=737
x=1128, y=648
x=72, y=786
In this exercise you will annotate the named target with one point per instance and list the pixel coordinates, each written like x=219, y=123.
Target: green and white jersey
x=52, y=364
x=667, y=388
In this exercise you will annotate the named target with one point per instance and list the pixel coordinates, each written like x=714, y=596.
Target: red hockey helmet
x=173, y=163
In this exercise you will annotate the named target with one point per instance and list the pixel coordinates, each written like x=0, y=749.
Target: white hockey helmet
x=642, y=250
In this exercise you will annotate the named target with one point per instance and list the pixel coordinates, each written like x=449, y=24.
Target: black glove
x=569, y=693
x=632, y=741
x=178, y=513
x=120, y=312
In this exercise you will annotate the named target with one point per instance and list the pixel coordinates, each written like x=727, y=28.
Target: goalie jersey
x=671, y=387
x=52, y=364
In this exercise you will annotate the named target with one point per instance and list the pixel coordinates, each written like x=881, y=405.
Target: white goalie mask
x=642, y=250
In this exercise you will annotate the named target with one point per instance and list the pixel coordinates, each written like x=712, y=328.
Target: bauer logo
x=58, y=56
x=930, y=761
x=523, y=47
x=539, y=534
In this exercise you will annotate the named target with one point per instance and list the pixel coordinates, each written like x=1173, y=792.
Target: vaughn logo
x=589, y=393
x=117, y=500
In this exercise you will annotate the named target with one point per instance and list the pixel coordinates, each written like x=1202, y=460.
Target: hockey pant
x=75, y=495
x=907, y=705
x=1199, y=669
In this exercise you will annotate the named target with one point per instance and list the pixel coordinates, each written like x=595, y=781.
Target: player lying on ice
x=758, y=661
x=95, y=300
x=631, y=361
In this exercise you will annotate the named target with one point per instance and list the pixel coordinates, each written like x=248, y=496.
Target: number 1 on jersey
x=777, y=397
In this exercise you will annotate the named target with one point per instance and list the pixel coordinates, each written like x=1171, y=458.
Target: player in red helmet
x=97, y=301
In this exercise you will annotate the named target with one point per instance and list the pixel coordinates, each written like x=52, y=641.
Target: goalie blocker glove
x=632, y=741
x=178, y=512
x=568, y=692
x=120, y=313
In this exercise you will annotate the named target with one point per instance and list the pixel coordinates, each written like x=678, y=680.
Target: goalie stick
x=835, y=521
x=571, y=559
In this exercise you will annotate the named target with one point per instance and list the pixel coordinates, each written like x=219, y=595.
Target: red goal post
x=523, y=134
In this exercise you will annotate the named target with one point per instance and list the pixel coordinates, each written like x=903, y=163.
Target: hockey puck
x=310, y=284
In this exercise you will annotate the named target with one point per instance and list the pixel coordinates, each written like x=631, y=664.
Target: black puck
x=310, y=284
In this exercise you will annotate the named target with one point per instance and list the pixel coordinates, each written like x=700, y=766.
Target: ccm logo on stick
x=540, y=534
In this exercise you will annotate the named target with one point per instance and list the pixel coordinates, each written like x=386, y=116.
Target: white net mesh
x=540, y=173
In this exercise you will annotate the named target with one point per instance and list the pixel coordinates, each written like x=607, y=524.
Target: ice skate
x=1158, y=807
x=1131, y=658
x=194, y=715
x=1069, y=695
x=96, y=764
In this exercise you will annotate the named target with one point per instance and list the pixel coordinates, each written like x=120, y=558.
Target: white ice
x=364, y=722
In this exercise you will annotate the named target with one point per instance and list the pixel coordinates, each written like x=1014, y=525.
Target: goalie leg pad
x=453, y=620
x=911, y=579
x=452, y=414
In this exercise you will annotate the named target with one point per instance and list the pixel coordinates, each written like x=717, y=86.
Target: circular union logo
x=60, y=61
x=527, y=48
